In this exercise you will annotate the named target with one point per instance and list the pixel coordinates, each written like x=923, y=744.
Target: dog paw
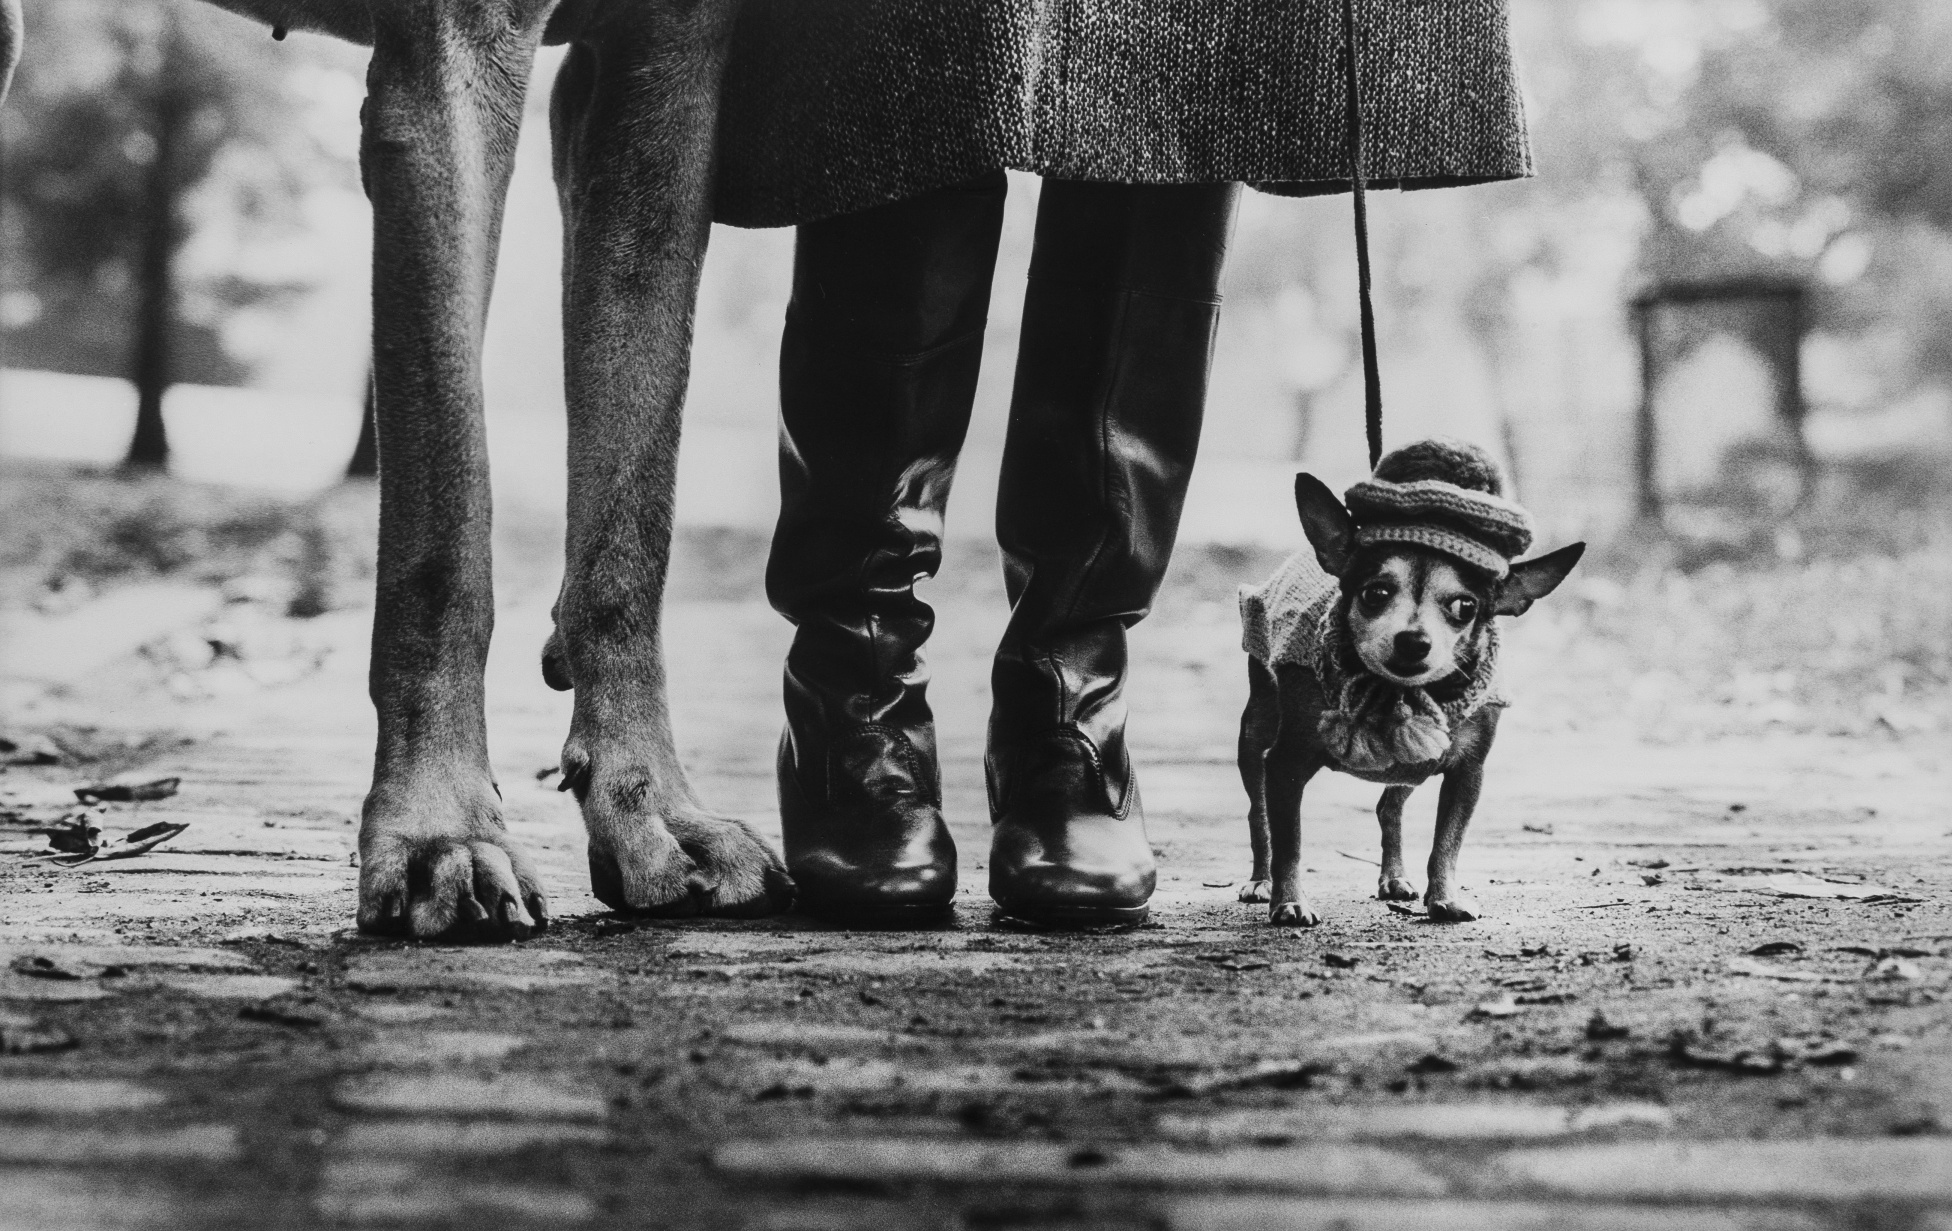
x=1292, y=915
x=1257, y=891
x=1451, y=907
x=676, y=862
x=744, y=879
x=1395, y=889
x=471, y=884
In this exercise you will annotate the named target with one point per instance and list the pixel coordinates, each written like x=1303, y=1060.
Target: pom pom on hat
x=1445, y=496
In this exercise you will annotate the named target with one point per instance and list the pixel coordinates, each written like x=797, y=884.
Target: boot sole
x=890, y=916
x=1066, y=917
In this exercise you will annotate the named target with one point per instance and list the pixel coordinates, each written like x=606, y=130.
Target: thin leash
x=1372, y=381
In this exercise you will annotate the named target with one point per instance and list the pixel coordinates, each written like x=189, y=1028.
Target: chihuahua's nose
x=1412, y=646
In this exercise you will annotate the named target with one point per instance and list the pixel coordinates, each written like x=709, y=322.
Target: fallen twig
x=1359, y=859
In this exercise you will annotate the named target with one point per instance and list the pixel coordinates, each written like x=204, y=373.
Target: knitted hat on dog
x=1444, y=495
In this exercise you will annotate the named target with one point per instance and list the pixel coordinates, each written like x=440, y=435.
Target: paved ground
x=1649, y=1029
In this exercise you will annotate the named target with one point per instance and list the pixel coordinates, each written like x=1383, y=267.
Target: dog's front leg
x=634, y=121
x=1260, y=726
x=1456, y=801
x=1290, y=764
x=444, y=99
x=1392, y=885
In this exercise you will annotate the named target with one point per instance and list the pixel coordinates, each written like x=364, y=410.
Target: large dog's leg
x=444, y=104
x=634, y=122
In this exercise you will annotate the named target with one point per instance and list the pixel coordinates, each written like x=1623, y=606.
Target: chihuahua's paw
x=1292, y=915
x=1395, y=889
x=1452, y=908
x=1257, y=891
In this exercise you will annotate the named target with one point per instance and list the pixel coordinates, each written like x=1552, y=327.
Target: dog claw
x=512, y=919
x=1293, y=915
x=388, y=918
x=1257, y=891
x=1395, y=889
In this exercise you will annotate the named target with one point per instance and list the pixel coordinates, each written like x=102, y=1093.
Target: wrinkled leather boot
x=878, y=369
x=1118, y=330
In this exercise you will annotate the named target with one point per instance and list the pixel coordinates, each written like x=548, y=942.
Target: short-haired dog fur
x=1376, y=655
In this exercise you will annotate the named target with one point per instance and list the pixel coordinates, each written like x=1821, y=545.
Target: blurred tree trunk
x=1304, y=423
x=365, y=463
x=155, y=266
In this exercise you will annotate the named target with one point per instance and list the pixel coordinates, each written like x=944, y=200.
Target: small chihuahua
x=1378, y=657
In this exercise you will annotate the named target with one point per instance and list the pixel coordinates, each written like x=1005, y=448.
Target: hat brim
x=1440, y=539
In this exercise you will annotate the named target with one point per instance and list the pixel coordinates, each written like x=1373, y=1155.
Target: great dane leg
x=444, y=101
x=634, y=122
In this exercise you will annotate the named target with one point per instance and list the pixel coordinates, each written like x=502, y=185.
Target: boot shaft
x=1118, y=330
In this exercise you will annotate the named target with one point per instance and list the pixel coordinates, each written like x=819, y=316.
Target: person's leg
x=877, y=374
x=1111, y=380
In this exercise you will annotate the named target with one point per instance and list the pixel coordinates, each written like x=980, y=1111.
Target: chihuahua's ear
x=1531, y=580
x=1330, y=529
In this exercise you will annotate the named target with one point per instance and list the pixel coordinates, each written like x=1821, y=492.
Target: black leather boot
x=1118, y=329
x=877, y=374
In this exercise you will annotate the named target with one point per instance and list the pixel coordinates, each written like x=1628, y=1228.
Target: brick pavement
x=1603, y=1050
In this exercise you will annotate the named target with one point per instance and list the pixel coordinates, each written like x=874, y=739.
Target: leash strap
x=1372, y=381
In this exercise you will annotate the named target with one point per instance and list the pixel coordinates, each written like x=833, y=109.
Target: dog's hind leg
x=439, y=126
x=634, y=121
x=1392, y=885
x=1260, y=726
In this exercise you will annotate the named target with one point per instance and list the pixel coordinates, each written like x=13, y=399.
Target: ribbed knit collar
x=1375, y=728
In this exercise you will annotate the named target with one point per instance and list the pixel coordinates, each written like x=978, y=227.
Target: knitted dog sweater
x=1373, y=729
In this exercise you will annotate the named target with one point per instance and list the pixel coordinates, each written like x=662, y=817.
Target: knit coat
x=832, y=106
x=1296, y=619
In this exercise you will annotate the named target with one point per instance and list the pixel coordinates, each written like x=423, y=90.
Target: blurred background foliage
x=148, y=145
x=1677, y=140
x=157, y=151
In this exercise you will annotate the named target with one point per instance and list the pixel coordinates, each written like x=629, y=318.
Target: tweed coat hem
x=832, y=106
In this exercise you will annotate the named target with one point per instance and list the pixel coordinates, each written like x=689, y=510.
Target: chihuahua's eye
x=1461, y=610
x=1375, y=596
